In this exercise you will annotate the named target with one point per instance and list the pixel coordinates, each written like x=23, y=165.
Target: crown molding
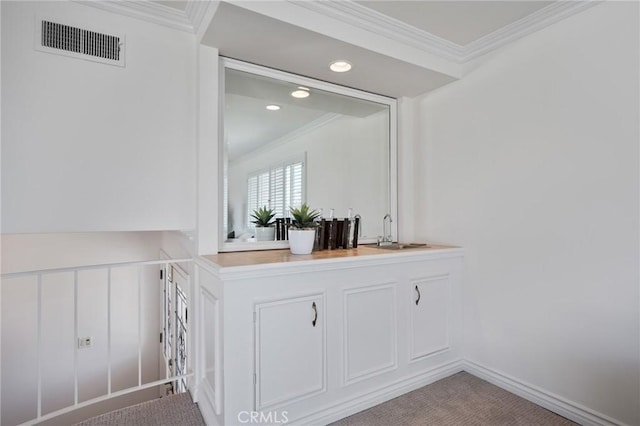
x=536, y=21
x=352, y=13
x=197, y=12
x=349, y=12
x=148, y=11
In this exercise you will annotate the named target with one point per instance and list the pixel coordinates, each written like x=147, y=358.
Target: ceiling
x=242, y=34
x=460, y=22
x=398, y=48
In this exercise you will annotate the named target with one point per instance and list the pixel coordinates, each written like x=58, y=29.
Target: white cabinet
x=429, y=307
x=319, y=338
x=289, y=350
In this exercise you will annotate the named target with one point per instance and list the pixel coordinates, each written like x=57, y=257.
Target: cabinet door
x=369, y=332
x=429, y=319
x=290, y=350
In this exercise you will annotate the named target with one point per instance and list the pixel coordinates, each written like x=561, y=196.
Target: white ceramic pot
x=265, y=233
x=301, y=240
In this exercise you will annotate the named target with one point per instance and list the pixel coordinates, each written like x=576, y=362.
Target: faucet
x=386, y=239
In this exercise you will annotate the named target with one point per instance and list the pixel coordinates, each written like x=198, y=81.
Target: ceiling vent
x=75, y=42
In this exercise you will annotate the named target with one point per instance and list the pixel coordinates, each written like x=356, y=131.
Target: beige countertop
x=264, y=257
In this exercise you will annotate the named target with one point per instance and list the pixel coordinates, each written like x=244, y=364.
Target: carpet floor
x=458, y=400
x=175, y=410
x=461, y=399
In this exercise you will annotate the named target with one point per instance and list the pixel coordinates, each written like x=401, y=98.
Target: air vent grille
x=80, y=43
x=72, y=39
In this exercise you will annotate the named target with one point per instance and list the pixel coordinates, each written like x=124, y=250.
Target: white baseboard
x=346, y=408
x=559, y=405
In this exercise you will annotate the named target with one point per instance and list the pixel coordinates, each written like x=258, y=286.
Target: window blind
x=278, y=188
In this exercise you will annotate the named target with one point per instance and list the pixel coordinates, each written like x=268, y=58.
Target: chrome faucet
x=386, y=233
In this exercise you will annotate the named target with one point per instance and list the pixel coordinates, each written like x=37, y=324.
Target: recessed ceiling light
x=340, y=66
x=300, y=92
x=273, y=107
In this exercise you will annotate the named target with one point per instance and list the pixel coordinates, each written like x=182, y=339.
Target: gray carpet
x=458, y=400
x=461, y=399
x=175, y=410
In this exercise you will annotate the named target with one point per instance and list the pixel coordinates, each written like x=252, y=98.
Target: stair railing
x=40, y=414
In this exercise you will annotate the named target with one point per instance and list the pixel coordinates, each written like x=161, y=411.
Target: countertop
x=244, y=259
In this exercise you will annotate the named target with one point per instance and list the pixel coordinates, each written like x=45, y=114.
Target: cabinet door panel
x=290, y=350
x=369, y=332
x=429, y=307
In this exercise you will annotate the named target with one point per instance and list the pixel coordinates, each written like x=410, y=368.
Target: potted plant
x=302, y=232
x=264, y=224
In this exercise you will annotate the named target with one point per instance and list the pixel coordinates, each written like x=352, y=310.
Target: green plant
x=304, y=217
x=263, y=216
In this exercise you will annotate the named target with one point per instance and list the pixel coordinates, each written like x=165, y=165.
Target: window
x=277, y=188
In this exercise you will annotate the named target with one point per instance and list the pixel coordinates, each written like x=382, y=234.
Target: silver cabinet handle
x=418, y=299
x=315, y=311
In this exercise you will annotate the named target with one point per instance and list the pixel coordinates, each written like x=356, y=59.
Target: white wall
x=343, y=156
x=207, y=152
x=89, y=147
x=531, y=164
x=94, y=147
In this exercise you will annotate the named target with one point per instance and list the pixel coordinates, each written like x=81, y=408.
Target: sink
x=402, y=246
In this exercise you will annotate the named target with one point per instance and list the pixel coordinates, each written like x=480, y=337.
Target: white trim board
x=559, y=405
x=349, y=12
x=352, y=13
x=356, y=15
x=190, y=20
x=330, y=414
x=542, y=18
x=555, y=403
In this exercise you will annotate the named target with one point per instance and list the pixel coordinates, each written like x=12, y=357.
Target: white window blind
x=277, y=188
